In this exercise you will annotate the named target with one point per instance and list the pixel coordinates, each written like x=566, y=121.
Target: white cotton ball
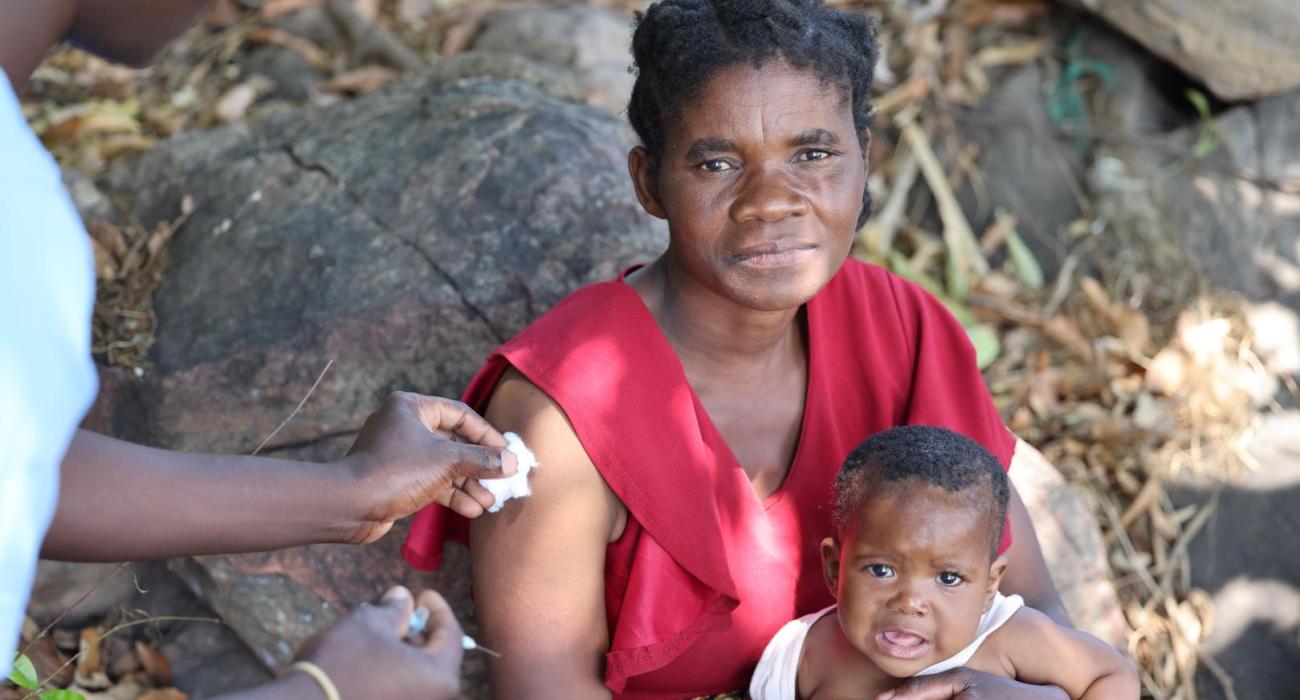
x=512, y=486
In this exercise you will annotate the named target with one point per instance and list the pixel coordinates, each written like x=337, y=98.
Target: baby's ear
x=996, y=570
x=831, y=564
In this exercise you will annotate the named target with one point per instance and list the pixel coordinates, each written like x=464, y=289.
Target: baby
x=915, y=568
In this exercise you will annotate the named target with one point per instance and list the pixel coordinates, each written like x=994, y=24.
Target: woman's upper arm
x=1027, y=572
x=539, y=563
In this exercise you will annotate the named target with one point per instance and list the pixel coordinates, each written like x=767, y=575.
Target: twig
x=1225, y=681
x=297, y=408
x=1008, y=310
x=878, y=234
x=1153, y=141
x=1062, y=286
x=161, y=618
x=72, y=607
x=1121, y=534
x=1193, y=528
x=373, y=38
x=1152, y=686
x=1142, y=501
x=964, y=253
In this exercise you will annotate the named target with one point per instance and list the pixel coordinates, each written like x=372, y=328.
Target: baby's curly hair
x=679, y=44
x=927, y=455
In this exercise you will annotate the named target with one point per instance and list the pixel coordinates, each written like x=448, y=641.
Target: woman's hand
x=365, y=655
x=416, y=450
x=966, y=684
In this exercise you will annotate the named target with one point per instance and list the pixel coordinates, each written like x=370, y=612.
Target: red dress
x=705, y=573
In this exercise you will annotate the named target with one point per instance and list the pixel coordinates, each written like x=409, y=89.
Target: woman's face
x=761, y=182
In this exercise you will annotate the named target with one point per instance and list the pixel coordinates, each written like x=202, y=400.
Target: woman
x=690, y=416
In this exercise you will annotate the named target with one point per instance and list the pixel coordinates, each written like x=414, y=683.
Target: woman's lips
x=901, y=644
x=776, y=255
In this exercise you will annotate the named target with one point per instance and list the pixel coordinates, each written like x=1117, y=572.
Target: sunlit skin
x=911, y=574
x=761, y=182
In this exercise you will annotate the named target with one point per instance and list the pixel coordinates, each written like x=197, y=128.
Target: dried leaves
x=1084, y=387
x=96, y=663
x=129, y=266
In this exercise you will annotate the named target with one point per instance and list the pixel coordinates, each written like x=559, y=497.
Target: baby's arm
x=1085, y=667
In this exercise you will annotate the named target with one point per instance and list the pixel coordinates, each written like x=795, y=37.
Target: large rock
x=206, y=659
x=402, y=235
x=595, y=44
x=1240, y=50
x=1236, y=212
x=1030, y=170
x=1071, y=540
x=1036, y=131
x=77, y=594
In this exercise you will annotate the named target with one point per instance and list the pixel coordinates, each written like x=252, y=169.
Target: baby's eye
x=814, y=154
x=880, y=570
x=714, y=166
x=949, y=579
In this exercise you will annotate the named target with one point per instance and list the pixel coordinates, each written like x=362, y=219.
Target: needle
x=420, y=619
x=468, y=644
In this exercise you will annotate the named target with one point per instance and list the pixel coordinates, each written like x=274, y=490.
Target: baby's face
x=912, y=576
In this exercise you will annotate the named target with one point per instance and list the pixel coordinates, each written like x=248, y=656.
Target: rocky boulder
x=595, y=44
x=1068, y=532
x=1030, y=171
x=402, y=236
x=1240, y=50
x=1235, y=207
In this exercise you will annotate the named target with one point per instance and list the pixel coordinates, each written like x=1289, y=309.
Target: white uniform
x=776, y=675
x=47, y=378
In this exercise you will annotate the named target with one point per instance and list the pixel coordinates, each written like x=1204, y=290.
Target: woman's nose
x=767, y=195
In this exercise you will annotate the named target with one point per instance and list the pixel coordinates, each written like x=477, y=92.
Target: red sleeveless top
x=705, y=572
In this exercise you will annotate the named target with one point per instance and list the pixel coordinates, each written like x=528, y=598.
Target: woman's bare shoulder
x=519, y=406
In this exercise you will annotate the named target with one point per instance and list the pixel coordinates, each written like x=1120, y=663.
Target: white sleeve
x=47, y=377
x=777, y=674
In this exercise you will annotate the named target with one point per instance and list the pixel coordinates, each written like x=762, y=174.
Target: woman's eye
x=880, y=570
x=949, y=579
x=814, y=154
x=715, y=166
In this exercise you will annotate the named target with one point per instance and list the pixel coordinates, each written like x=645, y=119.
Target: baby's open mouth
x=901, y=644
